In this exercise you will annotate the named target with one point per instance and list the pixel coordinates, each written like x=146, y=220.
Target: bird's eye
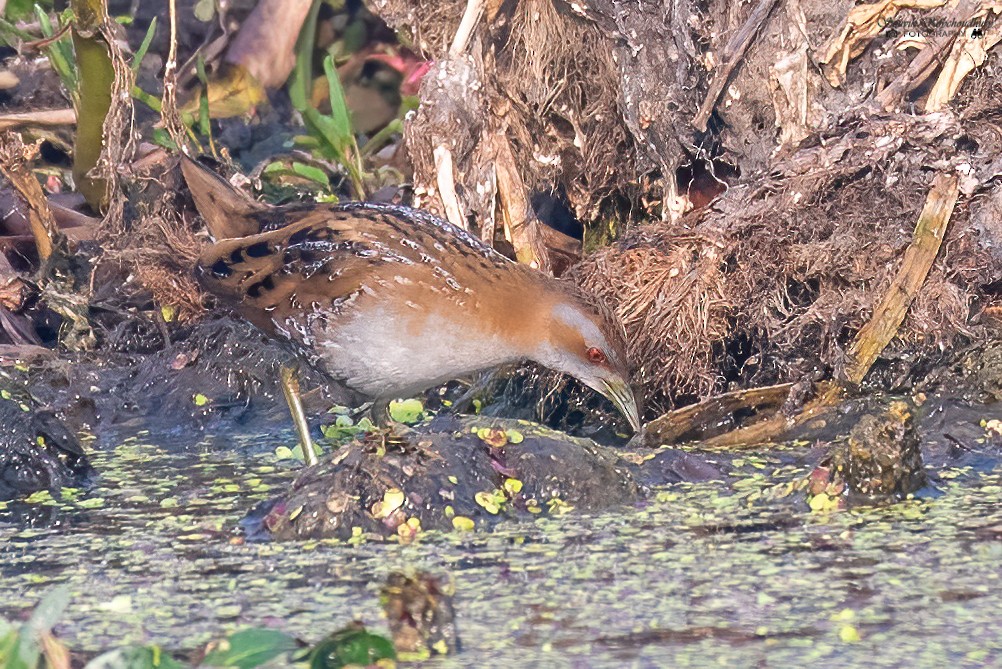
x=596, y=355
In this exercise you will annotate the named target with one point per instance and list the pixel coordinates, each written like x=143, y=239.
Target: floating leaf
x=463, y=524
x=249, y=648
x=512, y=486
x=848, y=634
x=488, y=501
x=200, y=400
x=410, y=529
x=393, y=499
x=205, y=10
x=406, y=411
x=492, y=437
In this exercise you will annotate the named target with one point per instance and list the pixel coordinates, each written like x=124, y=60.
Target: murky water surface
x=708, y=575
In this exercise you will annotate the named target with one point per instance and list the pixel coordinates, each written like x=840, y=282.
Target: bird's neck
x=523, y=312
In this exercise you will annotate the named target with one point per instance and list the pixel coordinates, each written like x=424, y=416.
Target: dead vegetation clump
x=669, y=292
x=772, y=283
x=159, y=245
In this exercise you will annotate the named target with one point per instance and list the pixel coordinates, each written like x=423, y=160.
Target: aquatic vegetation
x=706, y=574
x=34, y=646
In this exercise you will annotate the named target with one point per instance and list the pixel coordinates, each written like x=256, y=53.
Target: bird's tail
x=228, y=213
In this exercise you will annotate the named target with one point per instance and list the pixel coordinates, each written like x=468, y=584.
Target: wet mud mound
x=37, y=452
x=452, y=473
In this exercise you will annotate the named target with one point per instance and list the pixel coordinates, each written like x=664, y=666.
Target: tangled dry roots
x=559, y=76
x=669, y=293
x=158, y=246
x=773, y=282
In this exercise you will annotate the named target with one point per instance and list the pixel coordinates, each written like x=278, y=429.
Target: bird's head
x=587, y=341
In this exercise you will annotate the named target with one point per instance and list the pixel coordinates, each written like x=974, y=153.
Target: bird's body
x=352, y=285
x=392, y=300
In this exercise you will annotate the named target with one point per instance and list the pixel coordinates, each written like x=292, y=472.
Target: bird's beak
x=621, y=395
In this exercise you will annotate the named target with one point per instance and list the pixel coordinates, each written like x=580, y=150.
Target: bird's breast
x=389, y=348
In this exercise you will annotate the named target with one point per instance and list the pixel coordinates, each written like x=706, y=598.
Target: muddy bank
x=37, y=451
x=219, y=378
x=453, y=473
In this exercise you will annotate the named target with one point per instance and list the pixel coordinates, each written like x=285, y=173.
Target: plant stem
x=95, y=83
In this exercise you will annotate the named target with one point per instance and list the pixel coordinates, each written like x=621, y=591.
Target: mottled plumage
x=393, y=300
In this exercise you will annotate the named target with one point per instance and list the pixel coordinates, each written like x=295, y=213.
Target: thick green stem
x=95, y=83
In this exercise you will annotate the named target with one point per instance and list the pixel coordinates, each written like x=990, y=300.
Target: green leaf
x=204, y=126
x=8, y=643
x=339, y=107
x=301, y=80
x=20, y=9
x=49, y=611
x=162, y=138
x=406, y=411
x=325, y=130
x=22, y=650
x=312, y=173
x=134, y=657
x=137, y=60
x=353, y=646
x=59, y=52
x=250, y=648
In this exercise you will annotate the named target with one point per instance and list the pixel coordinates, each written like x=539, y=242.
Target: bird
x=392, y=300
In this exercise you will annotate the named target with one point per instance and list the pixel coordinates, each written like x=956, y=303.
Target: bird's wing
x=320, y=259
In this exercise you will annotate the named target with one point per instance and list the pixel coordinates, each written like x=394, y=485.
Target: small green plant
x=25, y=647
x=330, y=136
x=344, y=428
x=33, y=646
x=17, y=10
x=59, y=49
x=352, y=646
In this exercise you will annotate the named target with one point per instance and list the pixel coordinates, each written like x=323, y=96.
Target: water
x=707, y=575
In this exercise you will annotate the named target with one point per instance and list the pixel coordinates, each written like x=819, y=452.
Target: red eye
x=596, y=356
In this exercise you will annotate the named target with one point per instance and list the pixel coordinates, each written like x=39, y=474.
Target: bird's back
x=376, y=294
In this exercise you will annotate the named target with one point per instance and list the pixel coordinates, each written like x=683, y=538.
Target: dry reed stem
x=14, y=159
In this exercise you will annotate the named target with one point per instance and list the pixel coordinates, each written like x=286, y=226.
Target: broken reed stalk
x=445, y=179
x=928, y=60
x=921, y=253
x=38, y=119
x=471, y=17
x=15, y=158
x=674, y=425
x=872, y=338
x=732, y=56
x=516, y=210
